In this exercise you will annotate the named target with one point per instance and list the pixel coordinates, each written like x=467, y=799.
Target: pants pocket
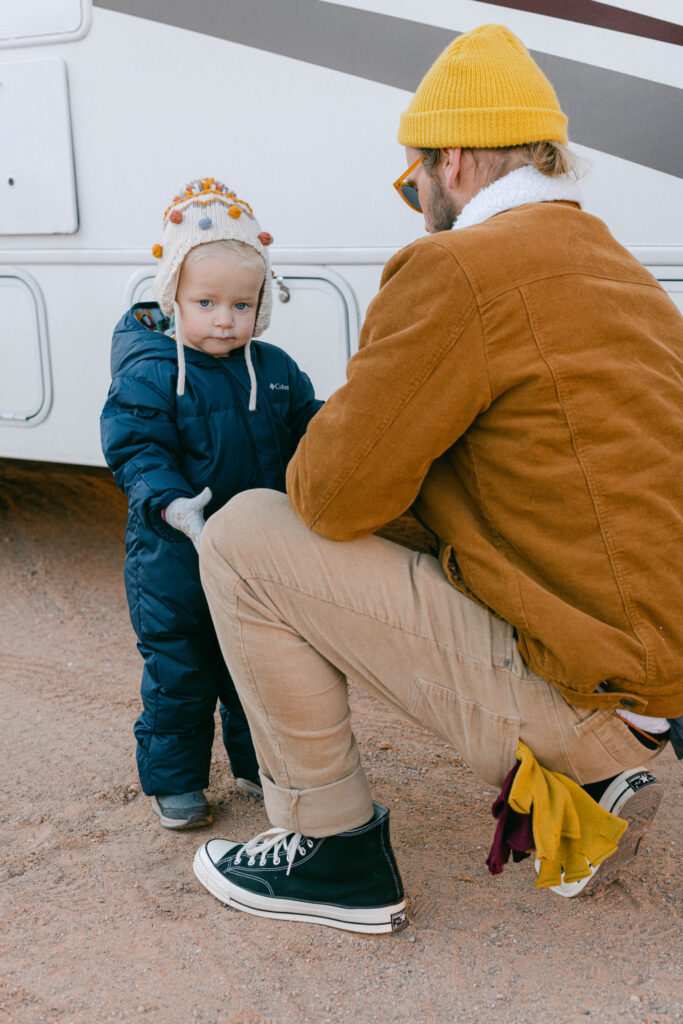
x=603, y=746
x=485, y=740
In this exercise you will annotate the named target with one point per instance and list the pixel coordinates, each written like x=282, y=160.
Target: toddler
x=196, y=412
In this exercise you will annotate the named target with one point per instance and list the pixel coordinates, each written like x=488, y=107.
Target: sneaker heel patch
x=398, y=921
x=643, y=778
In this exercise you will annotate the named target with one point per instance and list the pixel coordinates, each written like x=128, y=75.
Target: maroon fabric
x=513, y=832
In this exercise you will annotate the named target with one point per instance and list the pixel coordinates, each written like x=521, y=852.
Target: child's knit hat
x=484, y=91
x=207, y=211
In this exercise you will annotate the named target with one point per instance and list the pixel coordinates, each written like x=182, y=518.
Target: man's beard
x=440, y=212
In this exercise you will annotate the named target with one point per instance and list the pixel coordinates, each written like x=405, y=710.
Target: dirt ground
x=103, y=919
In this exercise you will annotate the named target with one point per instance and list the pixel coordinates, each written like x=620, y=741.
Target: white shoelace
x=276, y=840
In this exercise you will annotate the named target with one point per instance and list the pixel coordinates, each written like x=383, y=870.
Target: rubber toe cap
x=216, y=849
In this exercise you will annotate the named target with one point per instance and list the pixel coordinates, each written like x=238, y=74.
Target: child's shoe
x=182, y=810
x=252, y=787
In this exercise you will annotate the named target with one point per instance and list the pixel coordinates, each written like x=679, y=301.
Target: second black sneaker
x=347, y=881
x=634, y=796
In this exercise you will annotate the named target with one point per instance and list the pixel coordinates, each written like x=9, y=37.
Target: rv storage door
x=25, y=384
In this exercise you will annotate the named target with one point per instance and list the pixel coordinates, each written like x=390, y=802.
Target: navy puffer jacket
x=160, y=447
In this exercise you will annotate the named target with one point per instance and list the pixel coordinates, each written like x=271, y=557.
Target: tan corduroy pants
x=298, y=615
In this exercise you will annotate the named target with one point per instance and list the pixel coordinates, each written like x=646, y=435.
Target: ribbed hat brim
x=482, y=128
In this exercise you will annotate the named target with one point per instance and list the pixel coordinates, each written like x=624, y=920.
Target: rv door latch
x=283, y=291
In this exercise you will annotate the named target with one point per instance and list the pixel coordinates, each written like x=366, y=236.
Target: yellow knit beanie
x=483, y=91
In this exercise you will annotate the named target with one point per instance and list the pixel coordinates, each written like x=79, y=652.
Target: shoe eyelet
x=251, y=862
x=237, y=861
x=302, y=850
x=276, y=861
x=309, y=844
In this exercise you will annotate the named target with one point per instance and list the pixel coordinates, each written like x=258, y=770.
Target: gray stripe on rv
x=628, y=117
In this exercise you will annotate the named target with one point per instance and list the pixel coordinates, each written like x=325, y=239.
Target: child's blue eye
x=241, y=305
x=205, y=303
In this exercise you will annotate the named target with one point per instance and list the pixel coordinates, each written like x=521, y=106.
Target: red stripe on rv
x=587, y=12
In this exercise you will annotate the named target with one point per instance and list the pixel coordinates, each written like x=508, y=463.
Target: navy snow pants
x=184, y=673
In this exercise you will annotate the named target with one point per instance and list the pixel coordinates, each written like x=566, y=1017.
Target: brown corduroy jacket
x=519, y=387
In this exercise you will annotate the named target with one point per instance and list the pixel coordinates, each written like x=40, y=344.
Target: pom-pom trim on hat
x=157, y=251
x=203, y=192
x=265, y=238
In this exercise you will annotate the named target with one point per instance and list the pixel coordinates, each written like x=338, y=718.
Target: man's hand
x=187, y=515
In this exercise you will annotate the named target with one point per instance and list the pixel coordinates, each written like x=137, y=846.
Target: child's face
x=218, y=299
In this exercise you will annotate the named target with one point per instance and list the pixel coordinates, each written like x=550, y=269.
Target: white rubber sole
x=639, y=808
x=375, y=920
x=176, y=823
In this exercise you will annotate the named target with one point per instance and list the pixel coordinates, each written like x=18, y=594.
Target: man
x=518, y=390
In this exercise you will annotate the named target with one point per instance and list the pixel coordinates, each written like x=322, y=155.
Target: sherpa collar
x=525, y=185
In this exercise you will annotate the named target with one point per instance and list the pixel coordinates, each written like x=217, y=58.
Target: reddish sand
x=103, y=919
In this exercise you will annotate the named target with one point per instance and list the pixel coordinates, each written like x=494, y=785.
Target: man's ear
x=452, y=158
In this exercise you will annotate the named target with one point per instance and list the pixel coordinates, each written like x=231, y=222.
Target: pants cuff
x=323, y=811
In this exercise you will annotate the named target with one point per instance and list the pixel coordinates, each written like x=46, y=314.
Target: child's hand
x=186, y=515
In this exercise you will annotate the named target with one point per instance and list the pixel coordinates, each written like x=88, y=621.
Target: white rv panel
x=37, y=184
x=298, y=111
x=36, y=22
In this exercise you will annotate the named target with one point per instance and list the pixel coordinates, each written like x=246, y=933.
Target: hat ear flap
x=265, y=305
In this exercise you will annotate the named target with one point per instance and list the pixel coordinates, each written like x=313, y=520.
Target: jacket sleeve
x=416, y=384
x=303, y=405
x=141, y=446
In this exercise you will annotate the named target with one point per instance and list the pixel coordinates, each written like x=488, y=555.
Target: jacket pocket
x=486, y=741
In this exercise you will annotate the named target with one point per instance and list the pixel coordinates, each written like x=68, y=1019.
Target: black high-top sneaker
x=348, y=881
x=635, y=796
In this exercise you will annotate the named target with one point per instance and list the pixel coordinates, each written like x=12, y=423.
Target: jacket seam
x=602, y=520
x=537, y=278
x=504, y=545
x=468, y=441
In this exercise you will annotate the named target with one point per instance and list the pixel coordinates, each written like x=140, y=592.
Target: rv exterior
x=107, y=108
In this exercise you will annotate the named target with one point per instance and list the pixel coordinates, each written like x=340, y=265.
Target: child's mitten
x=186, y=515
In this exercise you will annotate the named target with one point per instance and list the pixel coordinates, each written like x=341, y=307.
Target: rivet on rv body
x=10, y=181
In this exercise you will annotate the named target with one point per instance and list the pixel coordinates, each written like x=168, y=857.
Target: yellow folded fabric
x=571, y=831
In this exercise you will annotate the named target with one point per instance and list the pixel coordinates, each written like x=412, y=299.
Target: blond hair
x=248, y=256
x=550, y=158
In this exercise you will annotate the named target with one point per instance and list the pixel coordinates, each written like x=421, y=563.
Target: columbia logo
x=279, y=387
